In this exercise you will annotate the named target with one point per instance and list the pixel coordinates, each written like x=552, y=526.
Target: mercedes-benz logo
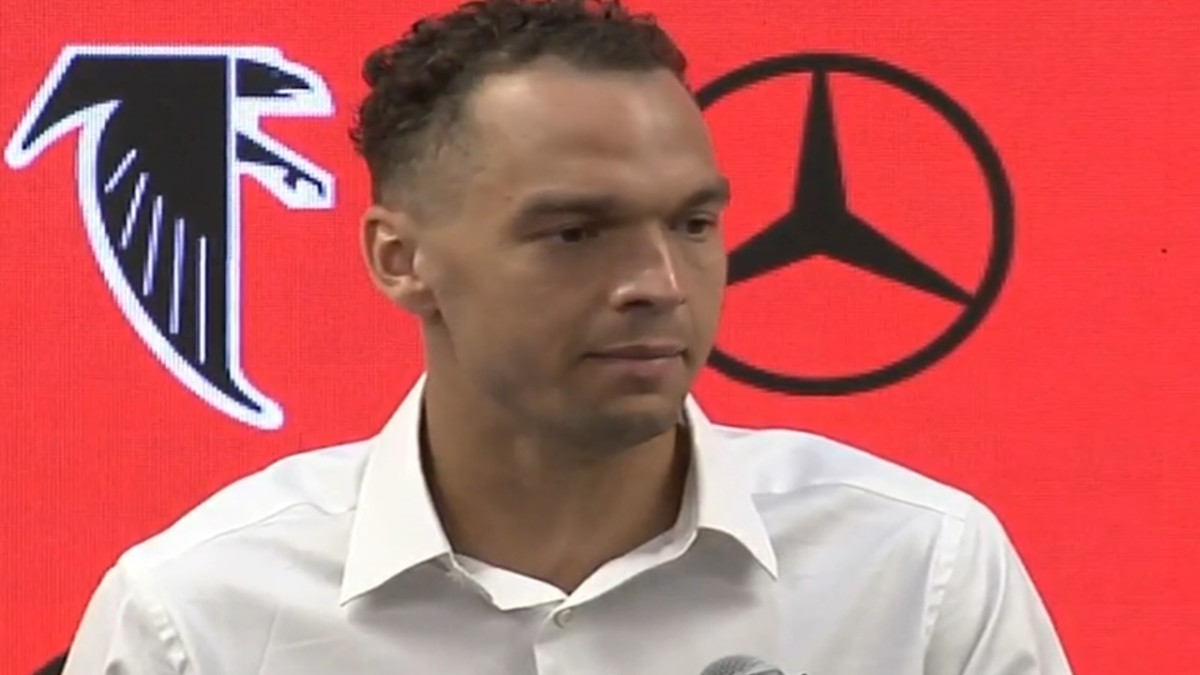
x=821, y=221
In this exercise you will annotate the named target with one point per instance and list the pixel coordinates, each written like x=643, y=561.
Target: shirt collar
x=396, y=526
x=722, y=499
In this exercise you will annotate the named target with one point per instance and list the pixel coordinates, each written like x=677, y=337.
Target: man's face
x=579, y=282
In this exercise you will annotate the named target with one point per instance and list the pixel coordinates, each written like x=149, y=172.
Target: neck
x=521, y=502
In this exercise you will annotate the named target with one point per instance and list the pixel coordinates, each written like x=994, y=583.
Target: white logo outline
x=244, y=116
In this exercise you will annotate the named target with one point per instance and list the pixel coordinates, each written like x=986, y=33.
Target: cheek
x=512, y=346
x=706, y=268
x=507, y=310
x=460, y=297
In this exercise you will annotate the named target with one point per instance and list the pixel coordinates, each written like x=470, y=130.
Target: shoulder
x=297, y=503
x=787, y=464
x=826, y=503
x=218, y=575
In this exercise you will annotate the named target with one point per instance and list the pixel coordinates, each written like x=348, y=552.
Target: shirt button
x=562, y=618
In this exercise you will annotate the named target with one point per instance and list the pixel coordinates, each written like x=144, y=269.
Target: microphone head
x=740, y=665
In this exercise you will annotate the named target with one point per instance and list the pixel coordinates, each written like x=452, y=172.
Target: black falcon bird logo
x=165, y=133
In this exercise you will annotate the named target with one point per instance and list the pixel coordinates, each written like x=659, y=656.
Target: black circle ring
x=999, y=191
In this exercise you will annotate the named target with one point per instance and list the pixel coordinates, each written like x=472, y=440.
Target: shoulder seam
x=159, y=616
x=946, y=563
x=224, y=533
x=885, y=495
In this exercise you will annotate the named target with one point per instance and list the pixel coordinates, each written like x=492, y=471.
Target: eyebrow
x=717, y=192
x=560, y=202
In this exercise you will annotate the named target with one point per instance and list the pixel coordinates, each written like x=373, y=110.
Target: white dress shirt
x=804, y=553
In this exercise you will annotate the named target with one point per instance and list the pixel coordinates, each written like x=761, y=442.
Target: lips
x=642, y=351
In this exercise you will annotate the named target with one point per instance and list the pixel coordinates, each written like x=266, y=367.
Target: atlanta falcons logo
x=165, y=135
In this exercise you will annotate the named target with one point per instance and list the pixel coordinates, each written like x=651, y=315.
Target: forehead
x=552, y=123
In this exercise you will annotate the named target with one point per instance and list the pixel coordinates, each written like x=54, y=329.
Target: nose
x=648, y=277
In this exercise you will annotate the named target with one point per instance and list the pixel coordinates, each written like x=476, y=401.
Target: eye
x=577, y=234
x=697, y=226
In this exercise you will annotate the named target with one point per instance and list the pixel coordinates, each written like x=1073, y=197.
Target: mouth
x=641, y=360
x=642, y=351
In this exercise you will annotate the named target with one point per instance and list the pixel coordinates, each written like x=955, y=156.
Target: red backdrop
x=1067, y=409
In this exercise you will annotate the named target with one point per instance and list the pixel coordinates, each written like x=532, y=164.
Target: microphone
x=740, y=665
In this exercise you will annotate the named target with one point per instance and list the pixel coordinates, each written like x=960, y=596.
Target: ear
x=389, y=247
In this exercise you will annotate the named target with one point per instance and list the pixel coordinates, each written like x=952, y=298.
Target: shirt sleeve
x=124, y=633
x=991, y=620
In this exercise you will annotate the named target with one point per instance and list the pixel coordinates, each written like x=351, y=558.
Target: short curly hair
x=419, y=82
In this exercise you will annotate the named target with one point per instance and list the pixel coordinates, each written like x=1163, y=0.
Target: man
x=548, y=499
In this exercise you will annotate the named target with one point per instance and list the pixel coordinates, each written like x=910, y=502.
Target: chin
x=636, y=419
x=624, y=412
